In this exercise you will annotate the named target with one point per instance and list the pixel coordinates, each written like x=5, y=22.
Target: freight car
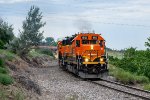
x=83, y=54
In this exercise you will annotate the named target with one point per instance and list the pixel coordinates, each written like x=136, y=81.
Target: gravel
x=141, y=93
x=57, y=84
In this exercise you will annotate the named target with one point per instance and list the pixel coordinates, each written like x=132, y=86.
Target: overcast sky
x=123, y=23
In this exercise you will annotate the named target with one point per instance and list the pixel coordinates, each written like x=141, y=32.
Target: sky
x=122, y=23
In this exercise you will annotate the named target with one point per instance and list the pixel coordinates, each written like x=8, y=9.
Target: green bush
x=147, y=87
x=126, y=77
x=141, y=79
x=5, y=79
x=6, y=33
x=45, y=51
x=1, y=63
x=1, y=44
x=3, y=70
x=34, y=53
x=40, y=52
x=8, y=55
x=134, y=61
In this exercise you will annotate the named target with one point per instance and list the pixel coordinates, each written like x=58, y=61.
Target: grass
x=1, y=63
x=3, y=70
x=146, y=87
x=45, y=51
x=40, y=53
x=3, y=95
x=5, y=79
x=19, y=96
x=8, y=55
x=126, y=77
x=34, y=53
x=11, y=95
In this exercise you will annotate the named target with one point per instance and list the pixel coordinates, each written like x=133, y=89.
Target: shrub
x=127, y=77
x=141, y=79
x=6, y=33
x=1, y=63
x=134, y=61
x=3, y=70
x=33, y=53
x=1, y=44
x=45, y=51
x=40, y=52
x=147, y=87
x=5, y=79
x=8, y=55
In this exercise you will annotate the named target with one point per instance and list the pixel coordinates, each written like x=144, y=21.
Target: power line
x=122, y=24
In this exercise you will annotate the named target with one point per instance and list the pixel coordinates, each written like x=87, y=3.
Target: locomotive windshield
x=89, y=41
x=93, y=41
x=85, y=41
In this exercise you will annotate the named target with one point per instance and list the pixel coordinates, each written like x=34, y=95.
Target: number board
x=84, y=37
x=94, y=37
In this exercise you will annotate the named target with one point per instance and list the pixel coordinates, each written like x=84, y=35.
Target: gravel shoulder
x=57, y=84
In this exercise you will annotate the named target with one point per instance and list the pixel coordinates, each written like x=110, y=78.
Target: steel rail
x=129, y=93
x=127, y=86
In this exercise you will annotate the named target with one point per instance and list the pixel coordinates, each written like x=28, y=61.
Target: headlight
x=92, y=47
x=101, y=59
x=86, y=59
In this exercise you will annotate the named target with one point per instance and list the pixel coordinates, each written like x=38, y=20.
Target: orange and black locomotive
x=83, y=54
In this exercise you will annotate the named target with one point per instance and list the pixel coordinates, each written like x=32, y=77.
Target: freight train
x=84, y=54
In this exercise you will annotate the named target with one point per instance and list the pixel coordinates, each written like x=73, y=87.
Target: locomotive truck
x=84, y=54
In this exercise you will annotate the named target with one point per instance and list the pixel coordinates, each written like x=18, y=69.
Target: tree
x=6, y=33
x=50, y=41
x=31, y=35
x=148, y=43
x=2, y=34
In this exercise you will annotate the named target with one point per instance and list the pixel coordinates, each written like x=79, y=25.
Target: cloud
x=13, y=1
x=117, y=19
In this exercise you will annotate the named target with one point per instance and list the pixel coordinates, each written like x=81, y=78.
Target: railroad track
x=143, y=94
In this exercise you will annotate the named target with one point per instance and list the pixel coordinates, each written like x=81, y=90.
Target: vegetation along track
x=123, y=88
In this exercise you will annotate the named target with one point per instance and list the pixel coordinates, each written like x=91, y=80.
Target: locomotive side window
x=64, y=42
x=77, y=43
x=101, y=43
x=85, y=41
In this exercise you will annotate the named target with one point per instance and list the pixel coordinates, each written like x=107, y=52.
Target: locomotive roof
x=73, y=37
x=85, y=34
